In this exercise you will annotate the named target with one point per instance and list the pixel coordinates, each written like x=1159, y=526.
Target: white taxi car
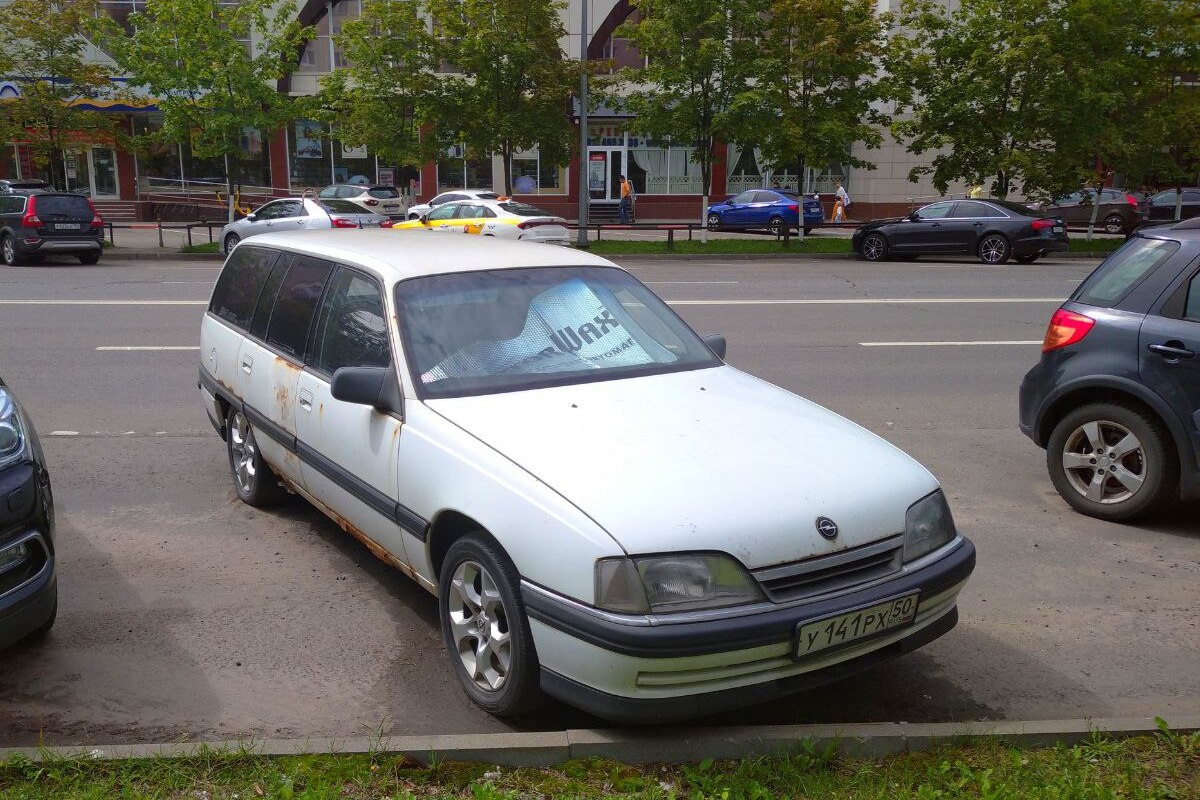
x=504, y=218
x=607, y=512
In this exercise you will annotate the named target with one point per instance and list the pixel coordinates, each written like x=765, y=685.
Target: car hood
x=710, y=459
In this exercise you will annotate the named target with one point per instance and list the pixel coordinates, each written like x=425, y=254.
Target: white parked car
x=507, y=219
x=384, y=200
x=421, y=209
x=607, y=512
x=299, y=214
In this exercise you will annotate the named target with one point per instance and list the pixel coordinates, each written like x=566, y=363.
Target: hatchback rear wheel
x=8, y=249
x=1114, y=223
x=1111, y=461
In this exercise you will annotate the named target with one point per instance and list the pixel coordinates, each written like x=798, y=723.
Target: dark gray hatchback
x=36, y=225
x=1115, y=400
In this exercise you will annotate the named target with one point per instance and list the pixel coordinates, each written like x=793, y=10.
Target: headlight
x=11, y=438
x=927, y=526
x=680, y=582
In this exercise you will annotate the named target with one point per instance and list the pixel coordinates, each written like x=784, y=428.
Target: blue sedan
x=765, y=208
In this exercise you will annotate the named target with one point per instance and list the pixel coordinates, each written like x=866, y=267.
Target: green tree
x=977, y=87
x=214, y=69
x=512, y=85
x=814, y=82
x=693, y=89
x=388, y=92
x=44, y=52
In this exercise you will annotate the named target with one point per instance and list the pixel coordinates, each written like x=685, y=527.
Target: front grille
x=812, y=577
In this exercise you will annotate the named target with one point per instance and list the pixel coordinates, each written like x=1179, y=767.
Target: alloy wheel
x=714, y=221
x=244, y=451
x=479, y=626
x=10, y=252
x=1114, y=224
x=993, y=249
x=1104, y=462
x=873, y=247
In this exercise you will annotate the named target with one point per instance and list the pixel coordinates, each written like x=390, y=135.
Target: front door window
x=77, y=172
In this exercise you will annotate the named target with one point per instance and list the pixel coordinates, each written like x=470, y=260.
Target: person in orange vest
x=626, y=200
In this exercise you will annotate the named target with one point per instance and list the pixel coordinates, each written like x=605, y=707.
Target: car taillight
x=793, y=207
x=31, y=219
x=1133, y=201
x=342, y=222
x=97, y=220
x=1042, y=224
x=387, y=223
x=372, y=202
x=1066, y=328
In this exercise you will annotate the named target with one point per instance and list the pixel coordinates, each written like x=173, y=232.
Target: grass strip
x=1150, y=768
x=810, y=244
x=207, y=247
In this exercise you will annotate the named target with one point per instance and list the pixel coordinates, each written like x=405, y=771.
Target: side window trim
x=1175, y=306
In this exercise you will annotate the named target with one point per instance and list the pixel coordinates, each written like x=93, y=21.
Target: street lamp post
x=582, y=237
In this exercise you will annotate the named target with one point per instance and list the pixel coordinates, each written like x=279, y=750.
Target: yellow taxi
x=502, y=217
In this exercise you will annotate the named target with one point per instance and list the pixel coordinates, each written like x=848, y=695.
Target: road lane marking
x=868, y=301
x=110, y=348
x=692, y=283
x=951, y=344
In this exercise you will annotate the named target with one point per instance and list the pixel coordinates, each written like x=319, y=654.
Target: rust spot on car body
x=283, y=362
x=281, y=399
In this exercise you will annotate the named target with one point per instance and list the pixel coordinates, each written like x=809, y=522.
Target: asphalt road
x=186, y=614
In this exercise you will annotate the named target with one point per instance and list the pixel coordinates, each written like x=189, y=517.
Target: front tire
x=231, y=242
x=714, y=221
x=485, y=628
x=874, y=247
x=994, y=249
x=254, y=481
x=8, y=250
x=1111, y=461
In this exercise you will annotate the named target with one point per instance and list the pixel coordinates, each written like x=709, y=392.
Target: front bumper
x=28, y=590
x=661, y=672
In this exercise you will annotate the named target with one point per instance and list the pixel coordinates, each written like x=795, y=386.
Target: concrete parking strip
x=644, y=745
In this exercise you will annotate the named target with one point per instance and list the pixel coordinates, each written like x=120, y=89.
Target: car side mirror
x=716, y=343
x=251, y=217
x=368, y=386
x=914, y=217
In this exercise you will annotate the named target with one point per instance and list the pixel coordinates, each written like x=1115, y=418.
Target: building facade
x=171, y=183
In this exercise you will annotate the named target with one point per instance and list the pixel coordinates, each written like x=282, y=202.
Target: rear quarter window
x=1123, y=271
x=241, y=281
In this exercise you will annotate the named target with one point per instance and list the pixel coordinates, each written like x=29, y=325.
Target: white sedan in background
x=299, y=214
x=503, y=218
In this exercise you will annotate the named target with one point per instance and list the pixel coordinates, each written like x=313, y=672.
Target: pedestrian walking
x=976, y=191
x=626, y=200
x=841, y=201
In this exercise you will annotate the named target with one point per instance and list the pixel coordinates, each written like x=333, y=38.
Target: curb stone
x=644, y=745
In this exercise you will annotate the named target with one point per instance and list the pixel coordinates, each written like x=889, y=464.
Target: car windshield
x=505, y=330
x=341, y=207
x=1017, y=207
x=524, y=210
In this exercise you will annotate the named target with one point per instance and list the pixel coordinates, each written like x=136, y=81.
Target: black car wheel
x=8, y=249
x=874, y=247
x=807, y=231
x=994, y=249
x=1111, y=461
x=1114, y=223
x=253, y=480
x=775, y=225
x=1029, y=259
x=89, y=258
x=714, y=221
x=231, y=242
x=485, y=628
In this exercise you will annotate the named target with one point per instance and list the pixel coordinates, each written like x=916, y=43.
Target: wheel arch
x=447, y=528
x=1115, y=390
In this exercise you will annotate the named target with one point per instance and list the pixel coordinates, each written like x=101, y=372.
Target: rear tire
x=775, y=225
x=89, y=258
x=1112, y=462
x=8, y=250
x=1114, y=223
x=874, y=247
x=253, y=480
x=485, y=627
x=994, y=249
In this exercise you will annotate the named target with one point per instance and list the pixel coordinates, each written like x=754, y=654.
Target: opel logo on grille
x=827, y=528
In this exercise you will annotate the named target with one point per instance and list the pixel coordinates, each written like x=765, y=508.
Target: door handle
x=247, y=364
x=306, y=399
x=935, y=225
x=977, y=224
x=1172, y=351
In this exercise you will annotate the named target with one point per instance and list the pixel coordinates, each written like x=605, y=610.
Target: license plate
x=1057, y=228
x=813, y=637
x=66, y=226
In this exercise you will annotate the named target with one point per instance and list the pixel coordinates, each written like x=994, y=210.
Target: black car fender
x=1106, y=388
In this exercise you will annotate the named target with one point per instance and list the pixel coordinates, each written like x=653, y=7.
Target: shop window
x=532, y=174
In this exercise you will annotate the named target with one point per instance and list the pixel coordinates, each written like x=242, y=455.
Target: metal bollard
x=787, y=234
x=160, y=239
x=670, y=238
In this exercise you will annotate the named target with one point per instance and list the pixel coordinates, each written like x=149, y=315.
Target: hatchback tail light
x=342, y=222
x=1133, y=201
x=97, y=220
x=371, y=202
x=31, y=219
x=794, y=207
x=1065, y=329
x=1042, y=224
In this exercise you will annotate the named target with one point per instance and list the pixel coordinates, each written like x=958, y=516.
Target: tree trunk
x=229, y=190
x=706, y=177
x=1178, y=201
x=800, y=192
x=1095, y=209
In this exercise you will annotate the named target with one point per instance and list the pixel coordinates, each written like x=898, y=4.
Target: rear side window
x=240, y=283
x=1192, y=309
x=298, y=296
x=383, y=192
x=63, y=205
x=341, y=207
x=1123, y=271
x=974, y=210
x=352, y=331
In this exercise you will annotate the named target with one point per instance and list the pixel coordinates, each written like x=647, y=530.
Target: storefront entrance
x=91, y=171
x=605, y=167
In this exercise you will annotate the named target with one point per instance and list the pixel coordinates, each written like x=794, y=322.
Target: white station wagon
x=607, y=512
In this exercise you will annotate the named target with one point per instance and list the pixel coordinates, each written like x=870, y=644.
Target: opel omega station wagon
x=607, y=512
